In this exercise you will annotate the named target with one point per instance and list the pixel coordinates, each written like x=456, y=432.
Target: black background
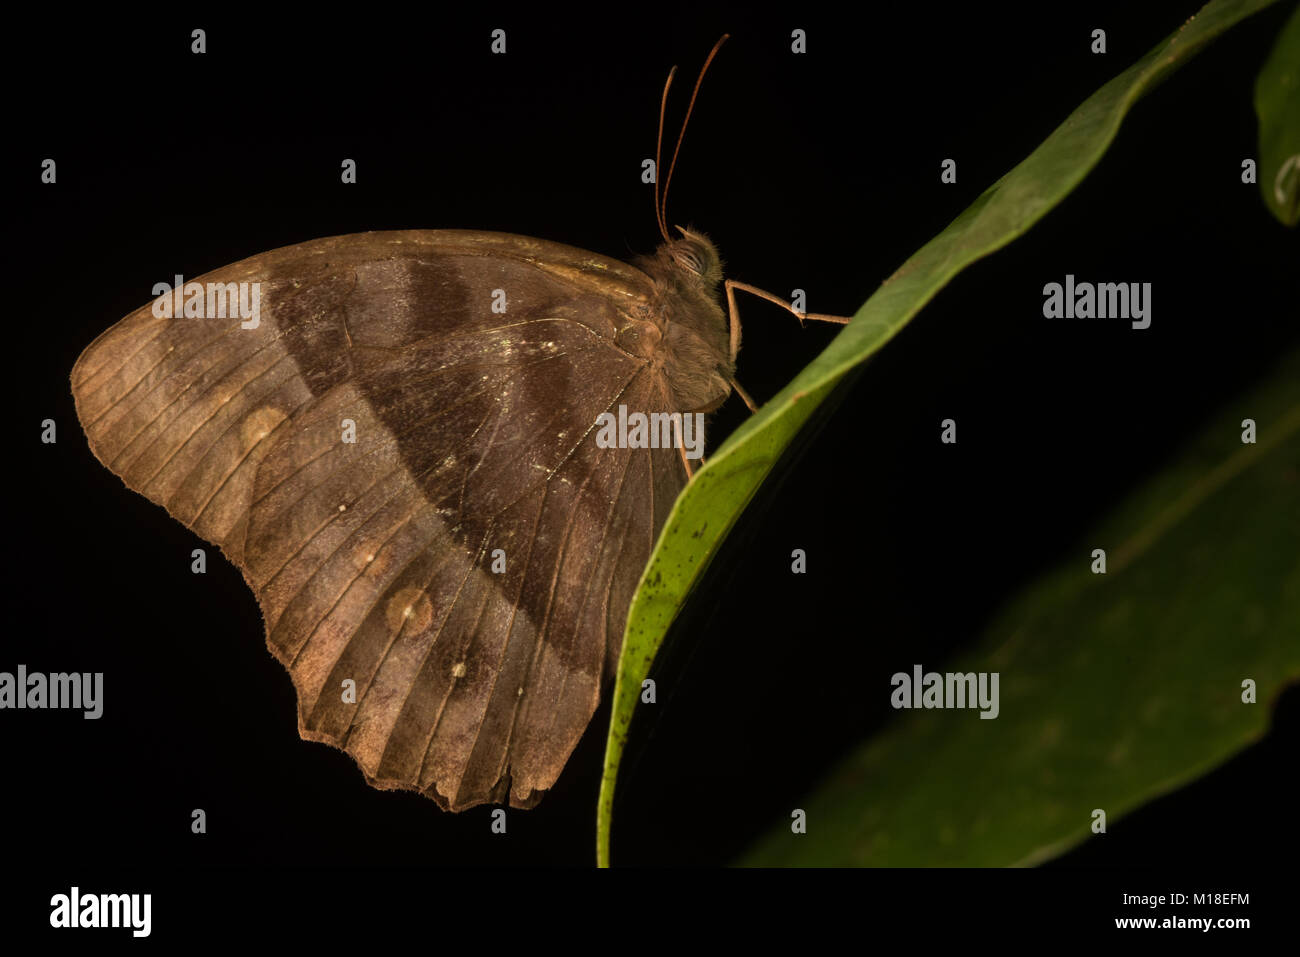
x=818, y=171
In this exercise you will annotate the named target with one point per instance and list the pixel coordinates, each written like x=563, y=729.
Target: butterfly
x=397, y=447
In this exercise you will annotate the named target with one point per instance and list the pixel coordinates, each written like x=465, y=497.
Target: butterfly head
x=696, y=258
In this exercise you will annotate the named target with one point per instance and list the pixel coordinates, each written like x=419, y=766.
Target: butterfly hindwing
x=409, y=480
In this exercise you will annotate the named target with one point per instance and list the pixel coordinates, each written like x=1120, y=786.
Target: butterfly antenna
x=659, y=142
x=663, y=206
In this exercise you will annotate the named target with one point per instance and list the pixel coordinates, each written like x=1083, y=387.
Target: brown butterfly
x=397, y=450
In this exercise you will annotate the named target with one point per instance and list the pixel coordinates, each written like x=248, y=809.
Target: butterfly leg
x=732, y=285
x=743, y=394
x=733, y=312
x=686, y=463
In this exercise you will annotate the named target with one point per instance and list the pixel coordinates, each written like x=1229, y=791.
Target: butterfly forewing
x=409, y=480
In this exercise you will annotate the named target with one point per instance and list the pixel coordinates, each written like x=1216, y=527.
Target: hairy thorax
x=690, y=345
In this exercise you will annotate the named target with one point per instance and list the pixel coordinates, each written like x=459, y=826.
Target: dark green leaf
x=1114, y=688
x=1277, y=104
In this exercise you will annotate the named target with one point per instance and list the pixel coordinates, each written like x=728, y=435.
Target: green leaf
x=1114, y=688
x=709, y=506
x=1277, y=104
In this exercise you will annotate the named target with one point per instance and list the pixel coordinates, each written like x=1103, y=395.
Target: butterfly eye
x=691, y=257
